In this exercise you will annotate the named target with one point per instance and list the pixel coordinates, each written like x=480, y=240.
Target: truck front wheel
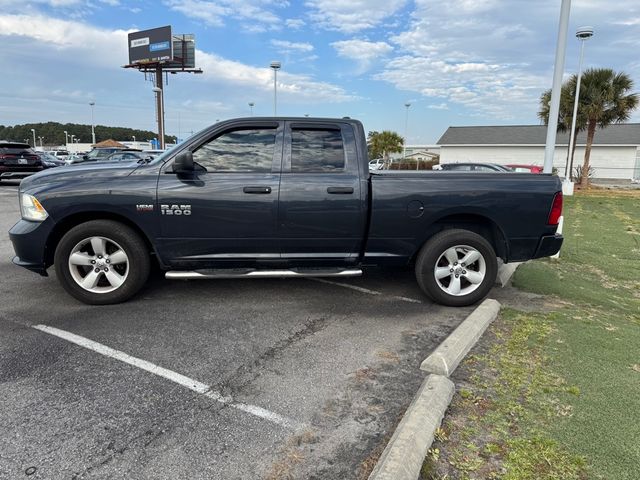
x=456, y=268
x=102, y=262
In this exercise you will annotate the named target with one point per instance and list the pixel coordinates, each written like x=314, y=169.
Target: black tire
x=435, y=248
x=138, y=261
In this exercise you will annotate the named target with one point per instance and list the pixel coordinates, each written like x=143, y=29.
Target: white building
x=615, y=153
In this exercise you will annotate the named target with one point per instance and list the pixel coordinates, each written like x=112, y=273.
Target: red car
x=525, y=168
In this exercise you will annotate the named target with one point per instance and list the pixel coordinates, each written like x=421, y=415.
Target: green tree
x=605, y=98
x=381, y=144
x=565, y=116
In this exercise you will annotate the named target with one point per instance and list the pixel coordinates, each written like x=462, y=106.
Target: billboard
x=184, y=51
x=150, y=46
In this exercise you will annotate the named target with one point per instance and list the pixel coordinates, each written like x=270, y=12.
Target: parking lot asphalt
x=338, y=360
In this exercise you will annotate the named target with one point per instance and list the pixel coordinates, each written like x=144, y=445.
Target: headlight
x=31, y=209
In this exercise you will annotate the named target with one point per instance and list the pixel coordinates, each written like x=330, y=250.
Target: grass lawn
x=555, y=394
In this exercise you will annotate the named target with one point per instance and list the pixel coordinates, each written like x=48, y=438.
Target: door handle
x=259, y=190
x=340, y=190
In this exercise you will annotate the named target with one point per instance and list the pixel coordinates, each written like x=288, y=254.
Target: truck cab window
x=317, y=151
x=246, y=150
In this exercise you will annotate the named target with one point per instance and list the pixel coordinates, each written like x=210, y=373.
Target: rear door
x=227, y=211
x=321, y=214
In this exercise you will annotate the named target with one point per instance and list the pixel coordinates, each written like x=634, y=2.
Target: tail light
x=556, y=210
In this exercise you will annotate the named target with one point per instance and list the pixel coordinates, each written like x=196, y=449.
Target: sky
x=457, y=62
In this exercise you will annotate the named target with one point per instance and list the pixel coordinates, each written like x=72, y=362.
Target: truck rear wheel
x=102, y=262
x=456, y=268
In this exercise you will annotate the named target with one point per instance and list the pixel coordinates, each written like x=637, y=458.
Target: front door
x=227, y=210
x=321, y=215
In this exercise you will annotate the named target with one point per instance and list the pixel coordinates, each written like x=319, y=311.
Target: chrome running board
x=253, y=273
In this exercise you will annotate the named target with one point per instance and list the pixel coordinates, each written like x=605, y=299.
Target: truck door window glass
x=317, y=151
x=248, y=150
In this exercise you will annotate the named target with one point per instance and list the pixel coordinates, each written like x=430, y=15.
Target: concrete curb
x=404, y=455
x=449, y=354
x=505, y=272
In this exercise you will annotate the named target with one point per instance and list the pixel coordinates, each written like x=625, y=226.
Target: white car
x=377, y=164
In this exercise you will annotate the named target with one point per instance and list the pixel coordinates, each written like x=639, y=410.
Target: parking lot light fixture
x=583, y=34
x=33, y=131
x=275, y=66
x=251, y=105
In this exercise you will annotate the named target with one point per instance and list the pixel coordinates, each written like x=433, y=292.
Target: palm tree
x=381, y=144
x=607, y=100
x=565, y=116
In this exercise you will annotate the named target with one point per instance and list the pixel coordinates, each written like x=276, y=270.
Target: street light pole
x=275, y=66
x=33, y=131
x=93, y=131
x=406, y=130
x=251, y=104
x=41, y=138
x=66, y=139
x=583, y=34
x=554, y=109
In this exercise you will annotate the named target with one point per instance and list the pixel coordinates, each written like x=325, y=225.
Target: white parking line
x=364, y=290
x=175, y=377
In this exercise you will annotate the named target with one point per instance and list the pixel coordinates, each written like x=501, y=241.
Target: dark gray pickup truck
x=257, y=197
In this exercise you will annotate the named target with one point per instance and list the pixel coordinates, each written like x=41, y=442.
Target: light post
x=33, y=131
x=93, y=131
x=134, y=141
x=554, y=105
x=406, y=130
x=251, y=105
x=275, y=66
x=583, y=34
x=66, y=139
x=72, y=136
x=41, y=139
x=160, y=106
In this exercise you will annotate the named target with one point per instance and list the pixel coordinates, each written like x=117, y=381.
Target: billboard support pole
x=160, y=105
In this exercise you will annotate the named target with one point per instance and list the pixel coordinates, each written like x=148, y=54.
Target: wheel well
x=479, y=224
x=71, y=221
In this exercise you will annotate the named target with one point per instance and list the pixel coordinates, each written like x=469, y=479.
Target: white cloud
x=257, y=13
x=362, y=51
x=287, y=46
x=350, y=16
x=294, y=23
x=107, y=49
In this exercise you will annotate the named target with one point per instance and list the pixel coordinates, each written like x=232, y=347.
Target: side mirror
x=183, y=163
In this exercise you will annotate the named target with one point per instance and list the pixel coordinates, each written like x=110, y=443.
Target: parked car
x=279, y=197
x=60, y=154
x=128, y=156
x=100, y=154
x=473, y=167
x=49, y=160
x=18, y=160
x=377, y=164
x=525, y=168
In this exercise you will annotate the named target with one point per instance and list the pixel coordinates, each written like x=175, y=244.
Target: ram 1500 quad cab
x=258, y=197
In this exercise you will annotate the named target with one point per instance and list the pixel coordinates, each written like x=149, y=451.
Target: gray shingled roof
x=622, y=134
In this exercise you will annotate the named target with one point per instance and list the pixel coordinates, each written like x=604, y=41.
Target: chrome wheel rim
x=98, y=265
x=460, y=270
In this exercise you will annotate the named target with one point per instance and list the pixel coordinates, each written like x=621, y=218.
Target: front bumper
x=549, y=245
x=29, y=241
